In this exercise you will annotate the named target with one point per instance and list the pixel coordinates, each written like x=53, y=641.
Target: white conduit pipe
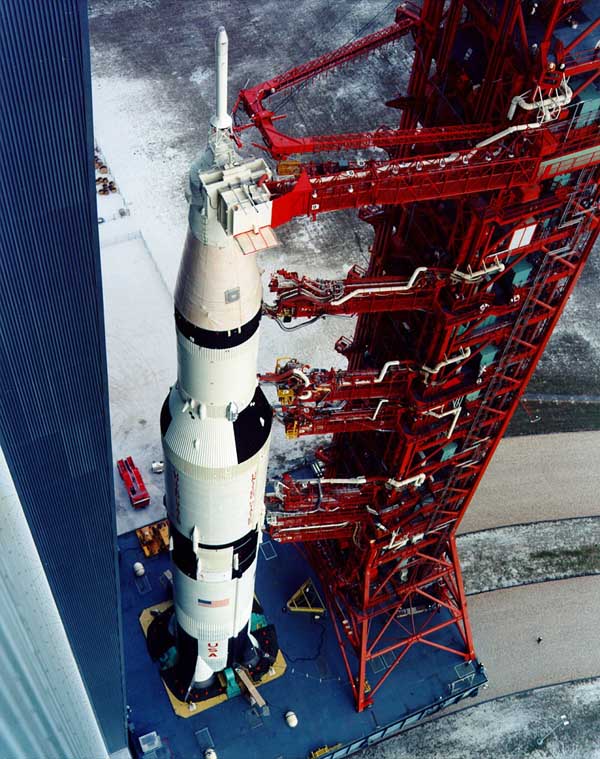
x=462, y=354
x=333, y=481
x=342, y=481
x=379, y=405
x=300, y=374
x=506, y=132
x=474, y=276
x=388, y=365
x=417, y=481
x=279, y=488
x=388, y=289
x=384, y=370
x=555, y=101
x=315, y=527
x=452, y=412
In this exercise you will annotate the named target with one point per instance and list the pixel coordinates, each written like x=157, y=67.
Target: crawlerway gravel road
x=507, y=623
x=538, y=477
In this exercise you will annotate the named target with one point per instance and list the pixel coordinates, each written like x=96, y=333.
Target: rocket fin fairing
x=216, y=421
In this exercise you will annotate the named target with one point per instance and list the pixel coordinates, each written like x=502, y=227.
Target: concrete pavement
x=538, y=477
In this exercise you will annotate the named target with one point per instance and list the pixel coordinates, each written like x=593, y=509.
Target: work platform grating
x=314, y=685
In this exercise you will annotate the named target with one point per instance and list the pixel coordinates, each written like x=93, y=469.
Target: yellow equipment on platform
x=306, y=599
x=323, y=750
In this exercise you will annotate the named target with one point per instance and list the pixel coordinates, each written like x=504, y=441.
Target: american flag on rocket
x=213, y=604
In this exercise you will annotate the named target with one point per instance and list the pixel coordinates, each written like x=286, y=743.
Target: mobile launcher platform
x=308, y=677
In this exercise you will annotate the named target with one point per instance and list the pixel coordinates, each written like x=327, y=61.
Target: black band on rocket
x=253, y=426
x=206, y=338
x=184, y=557
x=187, y=647
x=183, y=554
x=245, y=550
x=165, y=417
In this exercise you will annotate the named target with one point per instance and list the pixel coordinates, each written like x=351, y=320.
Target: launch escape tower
x=484, y=212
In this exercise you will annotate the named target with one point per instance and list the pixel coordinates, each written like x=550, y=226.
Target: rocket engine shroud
x=216, y=421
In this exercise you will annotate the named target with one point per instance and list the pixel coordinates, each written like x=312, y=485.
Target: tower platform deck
x=314, y=685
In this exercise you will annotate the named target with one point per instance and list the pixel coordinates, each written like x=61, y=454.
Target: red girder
x=400, y=183
x=301, y=296
x=446, y=175
x=385, y=415
x=460, y=341
x=576, y=59
x=281, y=145
x=407, y=19
x=582, y=62
x=309, y=397
x=335, y=506
x=347, y=521
x=404, y=404
x=411, y=618
x=381, y=417
x=298, y=383
x=318, y=509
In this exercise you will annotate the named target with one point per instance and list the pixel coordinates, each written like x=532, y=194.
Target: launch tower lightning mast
x=484, y=214
x=216, y=421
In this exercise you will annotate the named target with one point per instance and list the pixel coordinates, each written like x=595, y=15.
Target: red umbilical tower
x=484, y=214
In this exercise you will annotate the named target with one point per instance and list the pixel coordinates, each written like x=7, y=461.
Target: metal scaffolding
x=483, y=214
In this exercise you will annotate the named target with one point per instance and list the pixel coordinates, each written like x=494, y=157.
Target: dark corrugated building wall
x=54, y=416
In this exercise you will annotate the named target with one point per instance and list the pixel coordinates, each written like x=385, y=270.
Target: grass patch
x=554, y=416
x=576, y=560
x=518, y=554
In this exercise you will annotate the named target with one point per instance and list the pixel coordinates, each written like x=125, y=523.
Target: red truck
x=136, y=490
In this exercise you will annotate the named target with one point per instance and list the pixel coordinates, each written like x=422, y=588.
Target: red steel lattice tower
x=484, y=214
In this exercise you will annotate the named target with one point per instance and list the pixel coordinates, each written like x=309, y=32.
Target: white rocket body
x=216, y=422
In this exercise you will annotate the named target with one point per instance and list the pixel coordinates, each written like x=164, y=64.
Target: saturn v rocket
x=216, y=421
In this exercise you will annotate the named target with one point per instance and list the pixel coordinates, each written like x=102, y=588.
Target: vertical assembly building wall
x=54, y=417
x=39, y=675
